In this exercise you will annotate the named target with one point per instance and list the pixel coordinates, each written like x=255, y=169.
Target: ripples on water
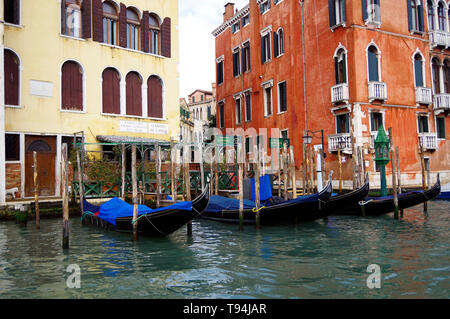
x=314, y=260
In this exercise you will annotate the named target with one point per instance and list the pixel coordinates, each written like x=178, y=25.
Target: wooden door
x=45, y=146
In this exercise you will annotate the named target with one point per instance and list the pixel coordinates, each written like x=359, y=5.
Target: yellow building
x=104, y=68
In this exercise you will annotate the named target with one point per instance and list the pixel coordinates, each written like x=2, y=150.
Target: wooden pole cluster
x=394, y=176
x=36, y=189
x=311, y=169
x=173, y=179
x=158, y=175
x=399, y=175
x=65, y=196
x=304, y=167
x=424, y=182
x=187, y=186
x=285, y=171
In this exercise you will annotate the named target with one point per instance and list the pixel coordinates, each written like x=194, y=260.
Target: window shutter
x=441, y=127
x=377, y=11
x=420, y=14
x=336, y=70
x=154, y=97
x=338, y=124
x=123, y=26
x=97, y=20
x=276, y=47
x=263, y=50
x=344, y=68
x=86, y=9
x=63, y=16
x=364, y=10
x=373, y=66
x=166, y=38
x=145, y=44
x=332, y=12
x=17, y=12
x=344, y=14
x=418, y=71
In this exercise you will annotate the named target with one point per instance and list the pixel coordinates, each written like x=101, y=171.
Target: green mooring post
x=382, y=156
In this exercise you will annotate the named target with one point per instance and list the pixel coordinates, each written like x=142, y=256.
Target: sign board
x=41, y=88
x=133, y=127
x=158, y=128
x=225, y=140
x=278, y=142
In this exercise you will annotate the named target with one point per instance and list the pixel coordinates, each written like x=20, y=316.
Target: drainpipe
x=2, y=118
x=304, y=64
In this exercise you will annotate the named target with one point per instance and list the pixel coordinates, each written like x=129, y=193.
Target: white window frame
x=279, y=97
x=371, y=111
x=267, y=31
x=337, y=55
x=427, y=115
x=20, y=80
x=244, y=94
x=266, y=85
x=84, y=79
x=413, y=58
x=372, y=43
x=20, y=17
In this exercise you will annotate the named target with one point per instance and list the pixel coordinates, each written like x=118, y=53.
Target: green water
x=314, y=260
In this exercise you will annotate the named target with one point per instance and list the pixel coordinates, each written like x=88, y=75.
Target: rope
x=256, y=210
x=86, y=213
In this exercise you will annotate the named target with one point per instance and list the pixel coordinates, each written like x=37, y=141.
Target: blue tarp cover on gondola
x=116, y=208
x=218, y=203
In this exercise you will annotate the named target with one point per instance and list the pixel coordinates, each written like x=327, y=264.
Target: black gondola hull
x=157, y=224
x=377, y=207
x=284, y=213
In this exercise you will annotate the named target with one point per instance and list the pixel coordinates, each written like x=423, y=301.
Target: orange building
x=345, y=67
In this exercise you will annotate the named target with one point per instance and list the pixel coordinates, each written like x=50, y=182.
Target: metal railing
x=334, y=140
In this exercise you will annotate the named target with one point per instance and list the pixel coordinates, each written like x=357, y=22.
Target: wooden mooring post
x=257, y=194
x=187, y=184
x=424, y=182
x=173, y=178
x=158, y=175
x=124, y=171
x=36, y=190
x=65, y=196
x=135, y=191
x=293, y=175
x=80, y=181
x=399, y=175
x=241, y=163
x=285, y=172
x=394, y=183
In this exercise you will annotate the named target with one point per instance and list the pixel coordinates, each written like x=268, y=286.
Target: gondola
x=343, y=201
x=117, y=215
x=301, y=209
x=375, y=206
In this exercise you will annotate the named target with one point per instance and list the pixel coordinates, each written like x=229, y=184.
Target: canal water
x=314, y=260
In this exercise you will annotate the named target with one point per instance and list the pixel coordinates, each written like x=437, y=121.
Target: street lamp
x=382, y=156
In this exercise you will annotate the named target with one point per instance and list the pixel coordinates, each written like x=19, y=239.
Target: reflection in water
x=322, y=259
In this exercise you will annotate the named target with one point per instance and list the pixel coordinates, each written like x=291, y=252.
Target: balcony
x=339, y=93
x=377, y=91
x=333, y=143
x=428, y=141
x=439, y=38
x=442, y=102
x=423, y=96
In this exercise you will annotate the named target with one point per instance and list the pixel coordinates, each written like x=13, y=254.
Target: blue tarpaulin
x=218, y=203
x=265, y=189
x=116, y=208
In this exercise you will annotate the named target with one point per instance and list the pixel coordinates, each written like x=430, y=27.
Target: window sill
x=131, y=50
x=18, y=26
x=72, y=111
x=282, y=112
x=267, y=61
x=373, y=24
x=13, y=162
x=336, y=26
x=13, y=106
x=268, y=116
x=71, y=37
x=417, y=32
x=134, y=117
x=280, y=55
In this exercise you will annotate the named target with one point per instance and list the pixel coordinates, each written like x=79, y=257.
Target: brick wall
x=13, y=178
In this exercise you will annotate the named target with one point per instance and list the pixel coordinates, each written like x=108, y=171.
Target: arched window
x=134, y=94
x=155, y=98
x=111, y=91
x=418, y=70
x=110, y=24
x=441, y=17
x=414, y=15
x=71, y=18
x=430, y=11
x=446, y=70
x=372, y=60
x=12, y=78
x=154, y=34
x=435, y=67
x=340, y=67
x=133, y=29
x=72, y=86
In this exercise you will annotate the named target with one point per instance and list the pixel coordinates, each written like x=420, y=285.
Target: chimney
x=229, y=11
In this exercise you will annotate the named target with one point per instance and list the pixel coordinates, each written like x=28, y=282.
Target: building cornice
x=240, y=14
